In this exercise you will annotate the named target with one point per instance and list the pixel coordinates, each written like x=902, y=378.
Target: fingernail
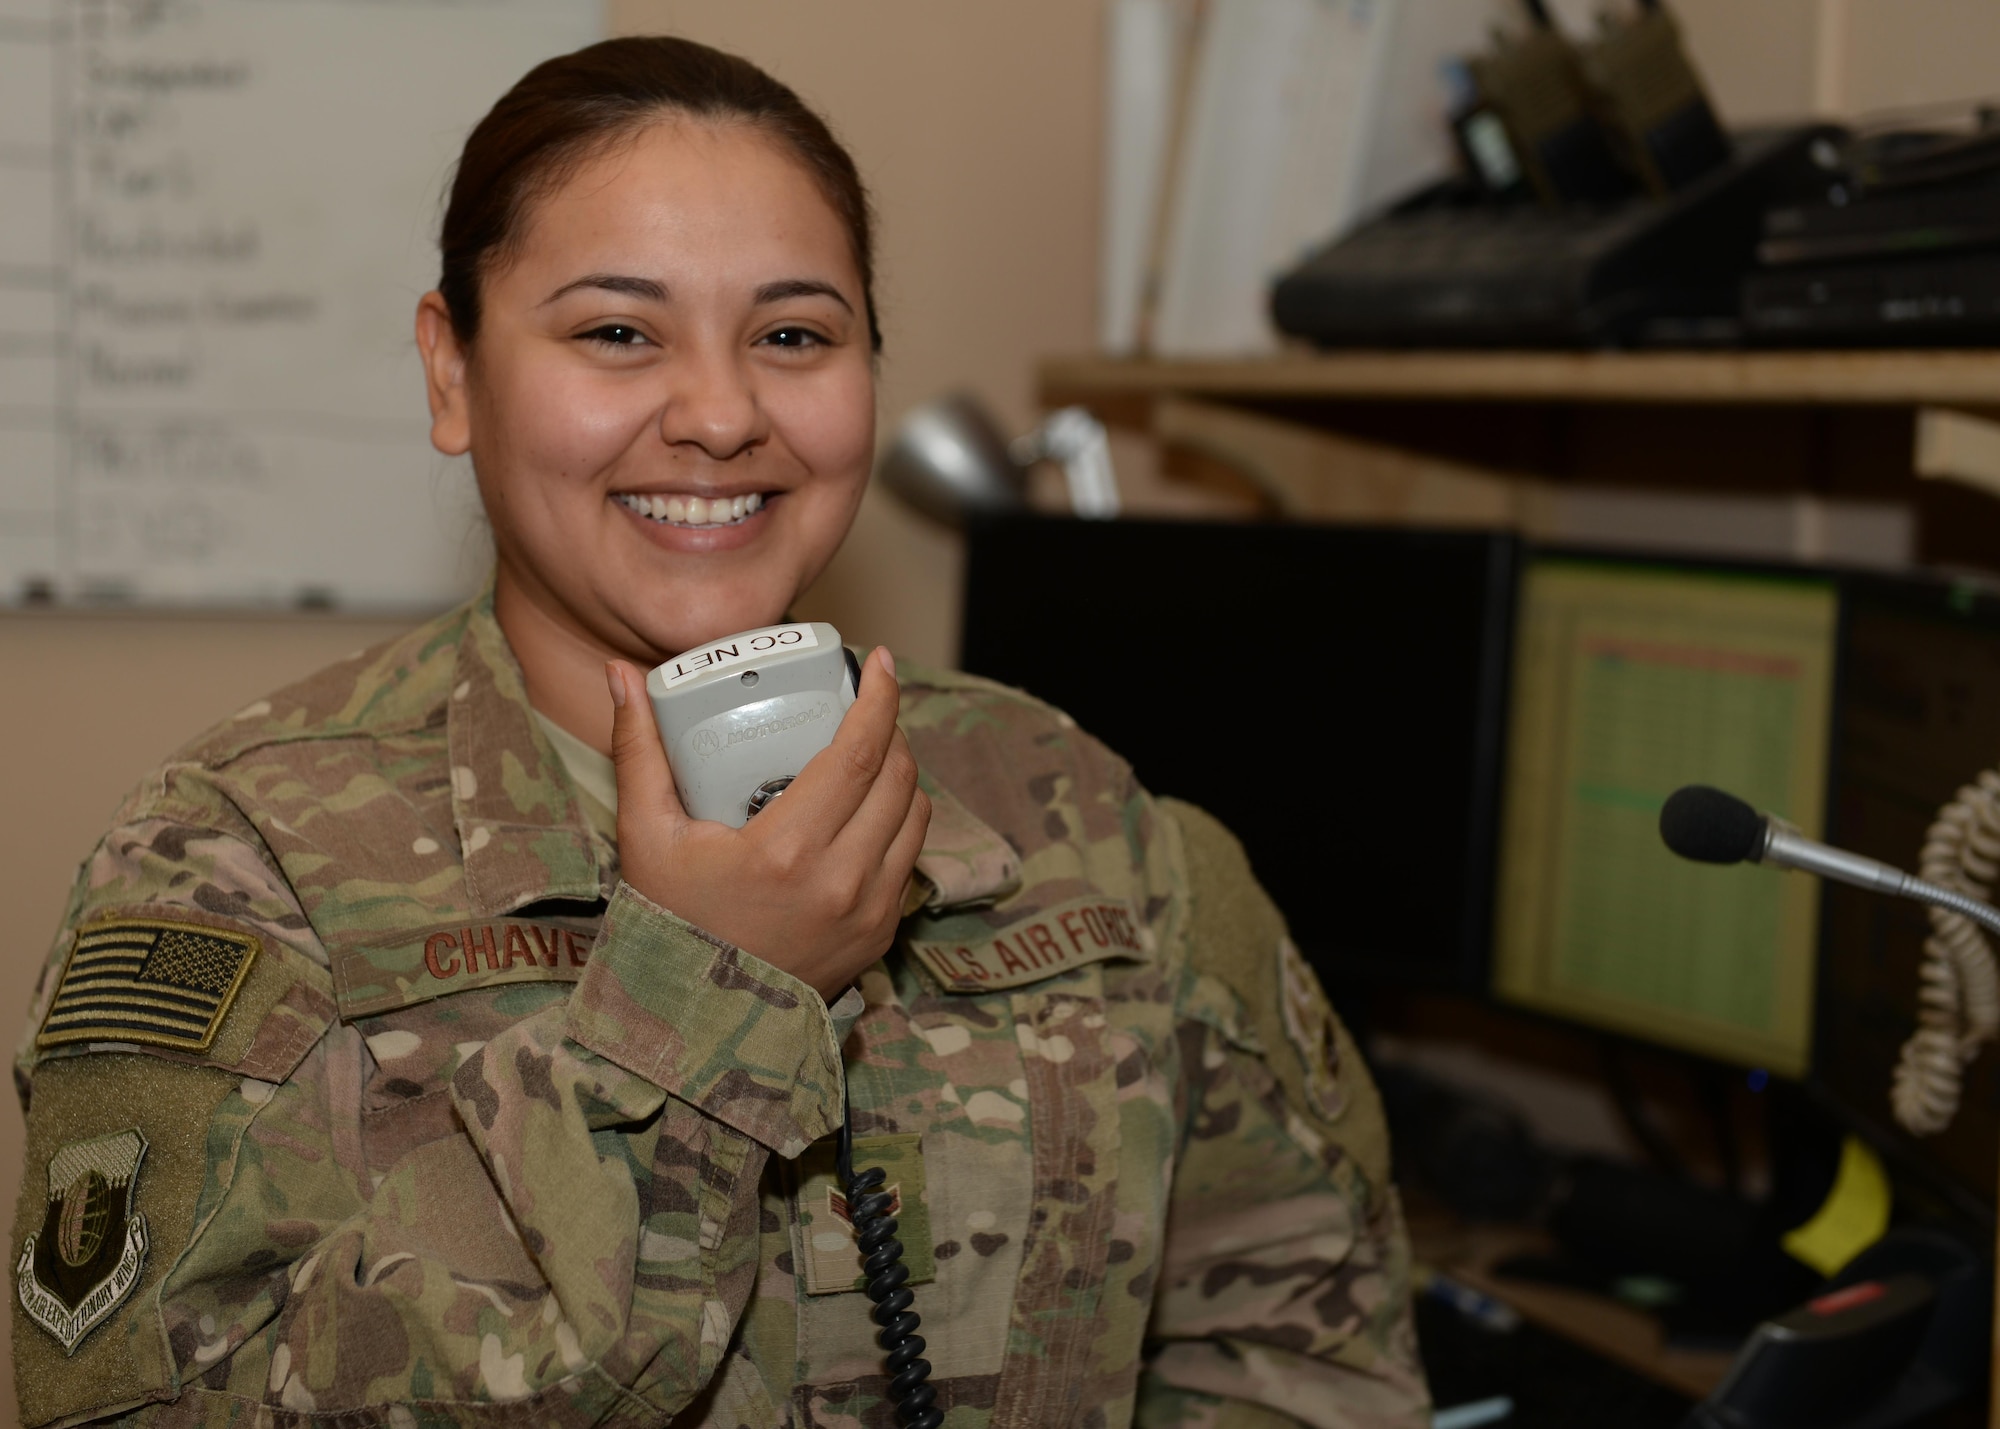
x=615, y=677
x=887, y=661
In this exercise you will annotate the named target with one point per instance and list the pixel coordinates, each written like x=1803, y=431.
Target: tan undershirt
x=594, y=775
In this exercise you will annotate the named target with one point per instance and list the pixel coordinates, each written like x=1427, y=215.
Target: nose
x=711, y=405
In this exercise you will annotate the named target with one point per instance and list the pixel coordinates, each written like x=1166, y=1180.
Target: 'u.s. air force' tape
x=972, y=953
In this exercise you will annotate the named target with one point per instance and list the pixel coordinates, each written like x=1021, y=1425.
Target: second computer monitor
x=1632, y=679
x=1334, y=694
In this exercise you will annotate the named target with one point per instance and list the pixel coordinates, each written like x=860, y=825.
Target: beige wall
x=977, y=125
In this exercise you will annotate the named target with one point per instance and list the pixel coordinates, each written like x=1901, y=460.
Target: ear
x=444, y=376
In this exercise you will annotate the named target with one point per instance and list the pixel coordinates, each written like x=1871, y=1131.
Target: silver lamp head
x=949, y=460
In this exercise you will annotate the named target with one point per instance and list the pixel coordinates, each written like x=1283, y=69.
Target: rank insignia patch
x=92, y=1245
x=825, y=1234
x=138, y=980
x=1309, y=1023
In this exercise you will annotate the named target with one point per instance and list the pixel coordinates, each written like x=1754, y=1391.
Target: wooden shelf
x=1894, y=378
x=1614, y=1331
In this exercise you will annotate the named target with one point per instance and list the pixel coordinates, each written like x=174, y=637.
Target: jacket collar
x=965, y=860
x=521, y=822
x=522, y=830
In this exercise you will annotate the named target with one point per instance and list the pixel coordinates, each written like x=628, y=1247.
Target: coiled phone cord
x=882, y=1264
x=1959, y=1002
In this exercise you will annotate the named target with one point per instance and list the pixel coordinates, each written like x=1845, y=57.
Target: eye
x=793, y=337
x=616, y=335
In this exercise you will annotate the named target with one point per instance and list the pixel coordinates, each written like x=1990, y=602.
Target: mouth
x=692, y=513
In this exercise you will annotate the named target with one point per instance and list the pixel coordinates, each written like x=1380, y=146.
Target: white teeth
x=693, y=510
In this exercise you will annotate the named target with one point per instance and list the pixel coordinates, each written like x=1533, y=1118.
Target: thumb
x=645, y=780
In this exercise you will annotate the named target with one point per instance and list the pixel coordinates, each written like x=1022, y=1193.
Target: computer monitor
x=1917, y=717
x=1334, y=694
x=1632, y=678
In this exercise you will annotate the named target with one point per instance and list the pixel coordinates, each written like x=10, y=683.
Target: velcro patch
x=1310, y=1023
x=420, y=964
x=92, y=1245
x=989, y=951
x=150, y=981
x=826, y=1232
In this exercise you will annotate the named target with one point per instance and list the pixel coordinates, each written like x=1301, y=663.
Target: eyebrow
x=656, y=292
x=800, y=288
x=646, y=288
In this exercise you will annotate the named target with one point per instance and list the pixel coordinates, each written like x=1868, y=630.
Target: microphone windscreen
x=1710, y=826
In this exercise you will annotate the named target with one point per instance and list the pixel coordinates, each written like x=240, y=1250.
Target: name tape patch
x=419, y=965
x=145, y=980
x=983, y=958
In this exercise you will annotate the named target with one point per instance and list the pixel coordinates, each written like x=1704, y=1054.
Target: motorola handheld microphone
x=1710, y=826
x=739, y=718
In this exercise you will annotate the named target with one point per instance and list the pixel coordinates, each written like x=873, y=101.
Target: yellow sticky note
x=1853, y=1216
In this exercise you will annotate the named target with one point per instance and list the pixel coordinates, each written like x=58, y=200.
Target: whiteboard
x=216, y=217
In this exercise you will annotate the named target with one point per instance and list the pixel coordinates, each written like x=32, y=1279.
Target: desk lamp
x=950, y=460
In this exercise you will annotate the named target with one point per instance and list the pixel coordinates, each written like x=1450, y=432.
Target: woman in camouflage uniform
x=402, y=1060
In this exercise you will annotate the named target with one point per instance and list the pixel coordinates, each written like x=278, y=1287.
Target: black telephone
x=1602, y=205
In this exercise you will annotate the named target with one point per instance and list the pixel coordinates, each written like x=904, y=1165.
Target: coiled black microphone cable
x=882, y=1265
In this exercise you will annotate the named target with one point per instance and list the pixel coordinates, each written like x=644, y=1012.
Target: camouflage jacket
x=361, y=1091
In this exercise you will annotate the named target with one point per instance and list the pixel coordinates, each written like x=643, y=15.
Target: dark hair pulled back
x=567, y=110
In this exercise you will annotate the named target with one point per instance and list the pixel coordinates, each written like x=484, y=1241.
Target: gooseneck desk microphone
x=1710, y=826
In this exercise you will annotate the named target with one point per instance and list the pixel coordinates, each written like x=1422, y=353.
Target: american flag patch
x=137, y=980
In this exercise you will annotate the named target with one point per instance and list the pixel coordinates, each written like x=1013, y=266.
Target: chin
x=686, y=620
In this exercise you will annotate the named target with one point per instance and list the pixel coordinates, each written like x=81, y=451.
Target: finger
x=836, y=780
x=866, y=837
x=888, y=888
x=908, y=845
x=646, y=793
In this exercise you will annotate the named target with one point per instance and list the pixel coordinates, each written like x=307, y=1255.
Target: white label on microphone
x=736, y=650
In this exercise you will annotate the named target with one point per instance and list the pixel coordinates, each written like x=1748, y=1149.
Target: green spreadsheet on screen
x=1630, y=681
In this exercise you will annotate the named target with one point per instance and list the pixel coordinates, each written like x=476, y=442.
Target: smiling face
x=670, y=401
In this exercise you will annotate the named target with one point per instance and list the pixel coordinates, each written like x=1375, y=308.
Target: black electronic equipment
x=1903, y=1332
x=1487, y=154
x=1534, y=83
x=1901, y=247
x=1451, y=268
x=1890, y=160
x=1650, y=96
x=1363, y=782
x=1894, y=226
x=1946, y=301
x=1812, y=1366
